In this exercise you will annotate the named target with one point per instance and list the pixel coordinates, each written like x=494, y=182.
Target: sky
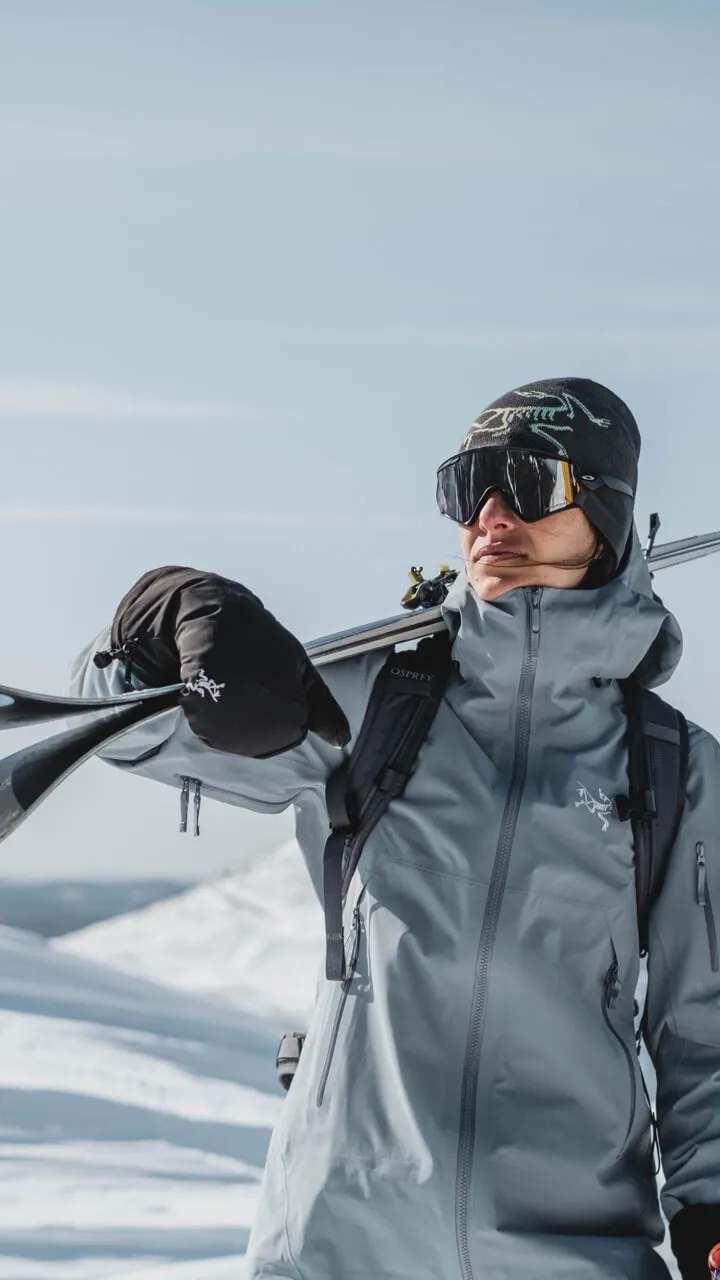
x=261, y=265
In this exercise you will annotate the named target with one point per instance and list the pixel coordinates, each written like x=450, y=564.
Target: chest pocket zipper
x=342, y=1001
x=703, y=897
x=611, y=990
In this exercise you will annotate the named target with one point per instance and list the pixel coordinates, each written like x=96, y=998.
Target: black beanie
x=579, y=421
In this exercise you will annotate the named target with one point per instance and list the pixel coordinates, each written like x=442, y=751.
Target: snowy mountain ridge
x=253, y=937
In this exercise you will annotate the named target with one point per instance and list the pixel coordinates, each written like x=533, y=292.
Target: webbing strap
x=662, y=732
x=657, y=773
x=333, y=903
x=339, y=801
x=402, y=705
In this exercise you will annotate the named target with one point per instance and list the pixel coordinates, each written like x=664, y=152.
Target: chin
x=490, y=586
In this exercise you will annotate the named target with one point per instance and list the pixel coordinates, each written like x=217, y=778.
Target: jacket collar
x=609, y=633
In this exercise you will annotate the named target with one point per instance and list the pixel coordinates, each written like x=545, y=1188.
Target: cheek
x=466, y=540
x=568, y=530
x=585, y=533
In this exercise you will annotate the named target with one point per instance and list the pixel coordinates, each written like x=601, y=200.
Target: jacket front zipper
x=703, y=897
x=611, y=990
x=344, y=992
x=471, y=1066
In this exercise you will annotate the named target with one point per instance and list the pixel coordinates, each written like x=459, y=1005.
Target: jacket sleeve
x=683, y=1016
x=167, y=750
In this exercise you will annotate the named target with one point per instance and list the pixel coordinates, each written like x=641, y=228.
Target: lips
x=497, y=553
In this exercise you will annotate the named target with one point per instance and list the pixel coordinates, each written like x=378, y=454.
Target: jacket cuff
x=694, y=1231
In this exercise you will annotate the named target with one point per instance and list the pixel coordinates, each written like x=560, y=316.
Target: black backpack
x=402, y=706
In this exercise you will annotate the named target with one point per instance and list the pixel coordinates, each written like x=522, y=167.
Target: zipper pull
x=184, y=803
x=196, y=807
x=701, y=874
x=535, y=597
x=356, y=943
x=612, y=986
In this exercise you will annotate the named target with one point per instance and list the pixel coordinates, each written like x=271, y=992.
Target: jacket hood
x=619, y=630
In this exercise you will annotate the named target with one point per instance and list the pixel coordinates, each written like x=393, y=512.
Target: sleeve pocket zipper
x=703, y=897
x=611, y=990
x=344, y=992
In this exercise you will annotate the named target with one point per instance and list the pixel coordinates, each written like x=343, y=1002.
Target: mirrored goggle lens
x=532, y=485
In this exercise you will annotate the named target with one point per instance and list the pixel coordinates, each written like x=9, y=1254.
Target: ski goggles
x=532, y=485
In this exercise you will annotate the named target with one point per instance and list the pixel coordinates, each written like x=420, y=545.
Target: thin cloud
x=495, y=336
x=22, y=513
x=43, y=401
x=26, y=513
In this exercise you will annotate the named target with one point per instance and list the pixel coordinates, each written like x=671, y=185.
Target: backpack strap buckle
x=288, y=1057
x=641, y=804
x=393, y=780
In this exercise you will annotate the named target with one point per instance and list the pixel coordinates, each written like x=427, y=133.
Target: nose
x=495, y=514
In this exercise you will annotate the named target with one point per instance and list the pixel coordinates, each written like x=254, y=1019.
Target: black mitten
x=694, y=1231
x=252, y=690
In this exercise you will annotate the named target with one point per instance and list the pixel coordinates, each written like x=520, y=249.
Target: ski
x=400, y=629
x=19, y=709
x=30, y=774
x=683, y=551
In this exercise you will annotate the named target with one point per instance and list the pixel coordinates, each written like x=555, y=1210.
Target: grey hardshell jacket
x=469, y=1103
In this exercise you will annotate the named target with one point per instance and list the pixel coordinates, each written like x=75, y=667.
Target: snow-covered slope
x=134, y=1121
x=254, y=937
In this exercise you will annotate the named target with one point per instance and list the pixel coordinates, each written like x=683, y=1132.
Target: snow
x=134, y=1121
x=254, y=937
x=137, y=1085
x=208, y=1269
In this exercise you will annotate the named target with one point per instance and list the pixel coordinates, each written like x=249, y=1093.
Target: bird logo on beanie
x=547, y=411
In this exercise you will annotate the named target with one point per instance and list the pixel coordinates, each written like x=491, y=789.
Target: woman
x=469, y=1104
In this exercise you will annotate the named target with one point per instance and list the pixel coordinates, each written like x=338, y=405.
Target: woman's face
x=502, y=552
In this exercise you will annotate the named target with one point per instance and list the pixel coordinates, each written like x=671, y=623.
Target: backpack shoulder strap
x=402, y=706
x=657, y=737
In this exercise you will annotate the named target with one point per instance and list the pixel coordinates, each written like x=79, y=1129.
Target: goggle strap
x=618, y=485
x=610, y=482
